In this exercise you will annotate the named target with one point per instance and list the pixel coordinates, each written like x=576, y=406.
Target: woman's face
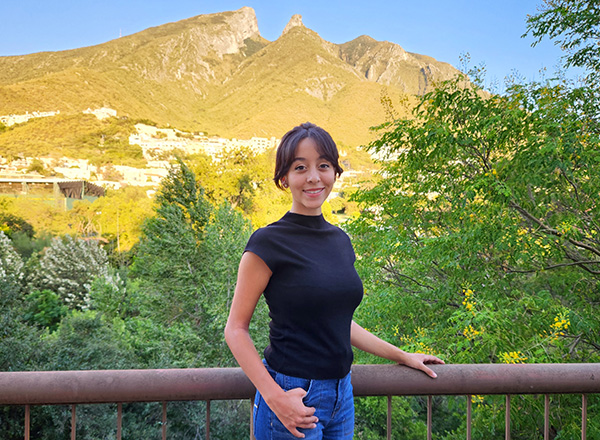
x=310, y=179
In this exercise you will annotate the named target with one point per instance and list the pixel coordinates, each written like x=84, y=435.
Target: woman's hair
x=286, y=152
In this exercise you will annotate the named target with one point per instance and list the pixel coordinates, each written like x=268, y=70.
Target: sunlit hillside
x=215, y=73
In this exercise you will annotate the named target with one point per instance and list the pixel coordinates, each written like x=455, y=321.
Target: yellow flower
x=469, y=332
x=561, y=324
x=477, y=398
x=513, y=357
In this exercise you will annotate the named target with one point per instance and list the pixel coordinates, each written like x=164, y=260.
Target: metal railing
x=206, y=384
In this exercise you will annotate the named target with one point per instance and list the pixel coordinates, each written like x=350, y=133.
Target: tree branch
x=550, y=230
x=555, y=266
x=578, y=339
x=397, y=274
x=562, y=172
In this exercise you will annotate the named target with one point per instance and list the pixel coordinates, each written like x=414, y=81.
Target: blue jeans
x=332, y=399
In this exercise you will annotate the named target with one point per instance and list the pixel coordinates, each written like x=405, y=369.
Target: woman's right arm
x=253, y=277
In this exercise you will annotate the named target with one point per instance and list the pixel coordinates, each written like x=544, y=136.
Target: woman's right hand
x=292, y=413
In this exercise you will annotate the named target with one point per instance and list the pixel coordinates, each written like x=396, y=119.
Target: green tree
x=238, y=177
x=68, y=267
x=116, y=217
x=45, y=309
x=11, y=224
x=186, y=261
x=184, y=273
x=481, y=243
x=19, y=343
x=44, y=217
x=169, y=261
x=37, y=166
x=84, y=340
x=110, y=295
x=11, y=265
x=574, y=26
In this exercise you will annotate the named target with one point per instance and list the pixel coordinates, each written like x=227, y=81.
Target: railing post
x=546, y=417
x=507, y=419
x=583, y=416
x=119, y=419
x=469, y=416
x=27, y=421
x=164, y=421
x=208, y=420
x=73, y=421
x=429, y=416
x=389, y=417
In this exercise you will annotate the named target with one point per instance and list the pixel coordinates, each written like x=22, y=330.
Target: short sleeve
x=261, y=243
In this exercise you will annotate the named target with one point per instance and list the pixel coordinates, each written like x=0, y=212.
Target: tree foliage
x=44, y=309
x=170, y=261
x=68, y=267
x=186, y=262
x=480, y=243
x=117, y=217
x=243, y=179
x=11, y=265
x=11, y=224
x=574, y=26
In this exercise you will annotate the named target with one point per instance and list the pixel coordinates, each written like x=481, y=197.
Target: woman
x=305, y=268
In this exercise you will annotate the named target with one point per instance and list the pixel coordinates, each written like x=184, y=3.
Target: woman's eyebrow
x=303, y=158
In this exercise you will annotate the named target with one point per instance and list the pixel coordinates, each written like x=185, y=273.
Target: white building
x=9, y=120
x=102, y=113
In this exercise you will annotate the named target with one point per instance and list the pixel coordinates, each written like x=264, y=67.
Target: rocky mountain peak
x=244, y=23
x=216, y=72
x=295, y=21
x=225, y=33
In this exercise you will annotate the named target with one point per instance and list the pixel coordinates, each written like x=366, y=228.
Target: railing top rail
x=106, y=386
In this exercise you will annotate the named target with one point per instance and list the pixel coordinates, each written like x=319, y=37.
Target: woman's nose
x=313, y=177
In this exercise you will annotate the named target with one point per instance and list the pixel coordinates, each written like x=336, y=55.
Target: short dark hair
x=286, y=151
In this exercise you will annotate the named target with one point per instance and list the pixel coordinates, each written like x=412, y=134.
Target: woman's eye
x=300, y=168
x=324, y=165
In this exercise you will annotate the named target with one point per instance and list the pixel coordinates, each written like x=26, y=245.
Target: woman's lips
x=313, y=191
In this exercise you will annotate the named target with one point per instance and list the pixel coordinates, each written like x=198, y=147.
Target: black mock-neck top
x=312, y=295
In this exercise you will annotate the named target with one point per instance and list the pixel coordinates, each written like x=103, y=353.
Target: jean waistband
x=324, y=381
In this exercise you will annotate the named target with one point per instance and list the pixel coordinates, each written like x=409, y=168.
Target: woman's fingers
x=296, y=414
x=418, y=361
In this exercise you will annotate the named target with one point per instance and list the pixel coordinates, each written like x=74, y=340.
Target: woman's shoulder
x=270, y=229
x=268, y=234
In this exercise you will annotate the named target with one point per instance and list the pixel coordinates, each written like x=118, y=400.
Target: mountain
x=215, y=73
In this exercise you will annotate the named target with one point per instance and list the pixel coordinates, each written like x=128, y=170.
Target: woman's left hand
x=418, y=361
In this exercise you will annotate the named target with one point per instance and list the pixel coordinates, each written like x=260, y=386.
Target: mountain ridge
x=216, y=73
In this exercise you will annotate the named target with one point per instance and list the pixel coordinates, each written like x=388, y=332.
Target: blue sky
x=488, y=30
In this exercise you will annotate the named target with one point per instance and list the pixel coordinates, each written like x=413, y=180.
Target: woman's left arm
x=367, y=341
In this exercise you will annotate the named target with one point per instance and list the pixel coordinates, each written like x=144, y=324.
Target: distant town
x=158, y=146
